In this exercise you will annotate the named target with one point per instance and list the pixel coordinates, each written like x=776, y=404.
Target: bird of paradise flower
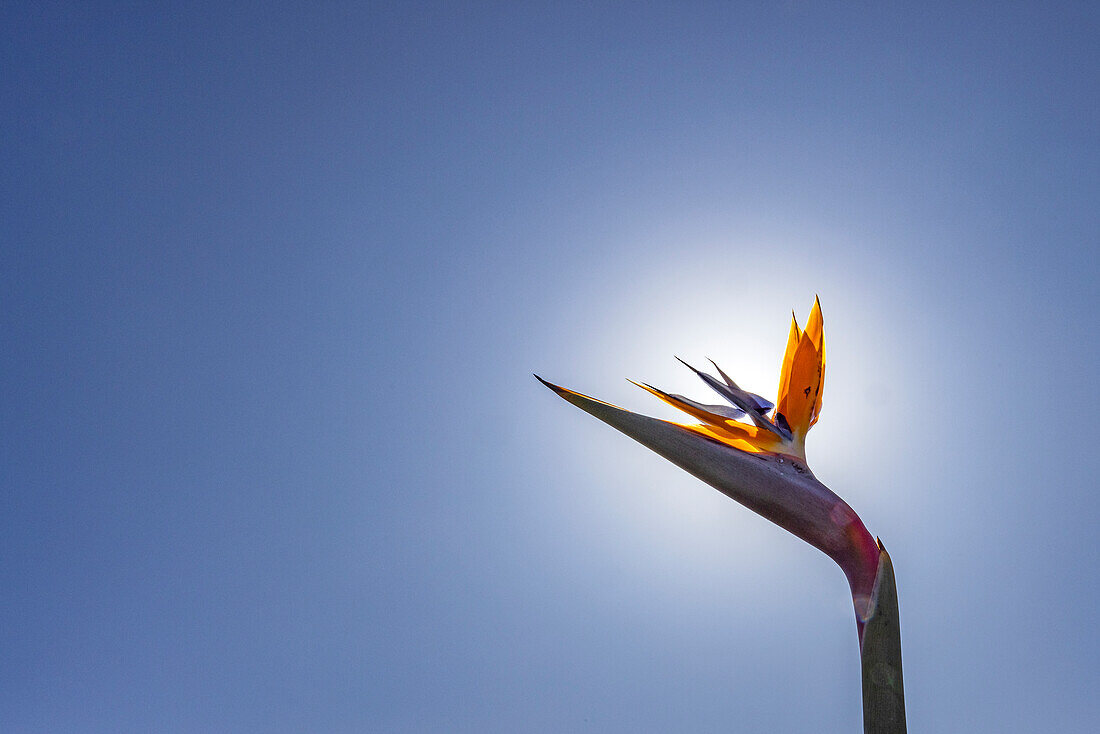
x=754, y=451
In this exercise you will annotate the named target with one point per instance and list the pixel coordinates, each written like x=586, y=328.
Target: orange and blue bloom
x=755, y=452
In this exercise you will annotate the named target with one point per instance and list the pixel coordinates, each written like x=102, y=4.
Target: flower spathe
x=779, y=431
x=755, y=452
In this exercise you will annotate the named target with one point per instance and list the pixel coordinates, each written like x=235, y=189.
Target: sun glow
x=630, y=334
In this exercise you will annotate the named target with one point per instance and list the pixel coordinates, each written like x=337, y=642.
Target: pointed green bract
x=883, y=695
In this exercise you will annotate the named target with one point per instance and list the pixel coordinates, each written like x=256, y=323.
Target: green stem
x=883, y=697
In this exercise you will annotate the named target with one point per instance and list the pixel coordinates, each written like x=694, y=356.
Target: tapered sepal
x=883, y=696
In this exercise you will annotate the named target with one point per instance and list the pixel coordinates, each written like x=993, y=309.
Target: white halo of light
x=652, y=310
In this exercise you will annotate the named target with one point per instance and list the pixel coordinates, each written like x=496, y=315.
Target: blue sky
x=274, y=278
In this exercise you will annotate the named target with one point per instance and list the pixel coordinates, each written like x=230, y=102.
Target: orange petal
x=761, y=442
x=732, y=433
x=706, y=416
x=815, y=325
x=788, y=360
x=804, y=388
x=821, y=384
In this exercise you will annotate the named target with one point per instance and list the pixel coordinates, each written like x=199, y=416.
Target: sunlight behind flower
x=277, y=276
x=631, y=334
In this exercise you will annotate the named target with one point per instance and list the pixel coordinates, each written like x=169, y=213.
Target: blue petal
x=723, y=410
x=762, y=405
x=750, y=403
